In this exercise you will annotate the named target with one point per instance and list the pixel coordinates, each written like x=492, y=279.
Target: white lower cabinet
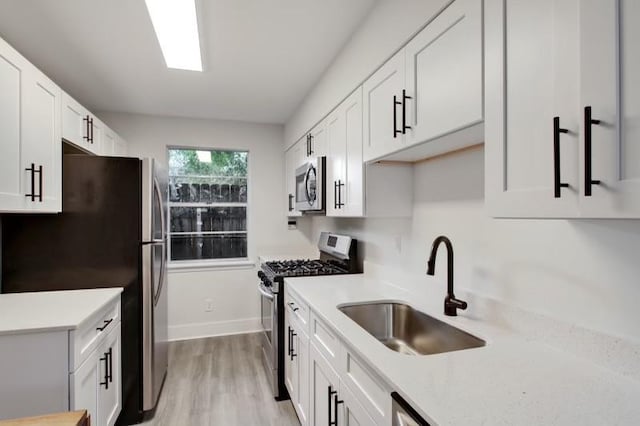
x=328, y=385
x=332, y=402
x=64, y=370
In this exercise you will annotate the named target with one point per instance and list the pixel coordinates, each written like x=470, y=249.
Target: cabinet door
x=318, y=140
x=85, y=382
x=41, y=143
x=108, y=143
x=302, y=372
x=345, y=174
x=290, y=375
x=97, y=136
x=75, y=128
x=293, y=159
x=444, y=73
x=382, y=117
x=351, y=412
x=324, y=383
x=110, y=397
x=610, y=85
x=531, y=76
x=12, y=69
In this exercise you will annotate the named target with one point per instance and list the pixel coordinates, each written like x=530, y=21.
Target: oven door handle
x=265, y=293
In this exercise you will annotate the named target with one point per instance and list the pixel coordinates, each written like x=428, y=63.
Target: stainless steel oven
x=270, y=305
x=310, y=188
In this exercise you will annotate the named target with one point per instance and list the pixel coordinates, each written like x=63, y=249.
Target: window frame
x=230, y=263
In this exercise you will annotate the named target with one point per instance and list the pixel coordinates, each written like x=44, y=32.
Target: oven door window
x=267, y=317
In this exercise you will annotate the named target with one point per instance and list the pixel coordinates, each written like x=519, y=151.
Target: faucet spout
x=451, y=304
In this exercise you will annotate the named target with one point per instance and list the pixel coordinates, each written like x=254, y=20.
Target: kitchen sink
x=406, y=330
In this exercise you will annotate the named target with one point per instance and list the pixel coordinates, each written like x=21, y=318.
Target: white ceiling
x=261, y=57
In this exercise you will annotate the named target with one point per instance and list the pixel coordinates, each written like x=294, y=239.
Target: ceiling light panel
x=176, y=26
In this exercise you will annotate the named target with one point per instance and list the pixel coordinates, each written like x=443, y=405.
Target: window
x=207, y=204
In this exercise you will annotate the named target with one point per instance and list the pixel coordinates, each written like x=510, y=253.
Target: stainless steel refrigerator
x=111, y=233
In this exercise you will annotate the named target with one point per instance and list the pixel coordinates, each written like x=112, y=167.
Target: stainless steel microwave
x=310, y=185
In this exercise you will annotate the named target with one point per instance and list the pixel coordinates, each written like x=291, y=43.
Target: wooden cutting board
x=71, y=418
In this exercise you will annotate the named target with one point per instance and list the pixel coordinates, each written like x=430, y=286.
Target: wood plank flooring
x=219, y=381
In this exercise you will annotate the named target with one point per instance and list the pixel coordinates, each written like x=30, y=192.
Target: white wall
x=389, y=25
x=585, y=272
x=233, y=291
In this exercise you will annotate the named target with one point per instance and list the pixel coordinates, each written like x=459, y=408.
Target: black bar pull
x=308, y=145
x=404, y=111
x=340, y=185
x=91, y=130
x=329, y=395
x=290, y=202
x=289, y=340
x=106, y=370
x=311, y=152
x=333, y=397
x=293, y=354
x=87, y=120
x=110, y=370
x=588, y=170
x=106, y=324
x=336, y=402
x=32, y=169
x=395, y=117
x=557, y=182
x=335, y=194
x=39, y=171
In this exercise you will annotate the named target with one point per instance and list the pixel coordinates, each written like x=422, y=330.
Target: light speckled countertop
x=51, y=310
x=510, y=381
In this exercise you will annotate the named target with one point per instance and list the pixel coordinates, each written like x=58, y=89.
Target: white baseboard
x=212, y=329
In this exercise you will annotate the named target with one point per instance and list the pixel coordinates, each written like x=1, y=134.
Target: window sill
x=218, y=265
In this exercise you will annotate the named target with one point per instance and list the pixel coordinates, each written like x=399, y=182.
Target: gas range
x=337, y=256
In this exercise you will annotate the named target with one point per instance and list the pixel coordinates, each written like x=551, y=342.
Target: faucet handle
x=451, y=306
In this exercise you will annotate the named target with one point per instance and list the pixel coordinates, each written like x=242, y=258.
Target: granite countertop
x=51, y=310
x=510, y=381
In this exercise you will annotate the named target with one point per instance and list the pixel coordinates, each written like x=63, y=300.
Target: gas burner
x=302, y=268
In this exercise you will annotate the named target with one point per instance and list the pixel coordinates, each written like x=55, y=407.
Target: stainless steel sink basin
x=408, y=331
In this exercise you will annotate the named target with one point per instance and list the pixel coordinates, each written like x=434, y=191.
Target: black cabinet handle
x=106, y=370
x=290, y=202
x=588, y=178
x=329, y=395
x=557, y=181
x=91, y=130
x=336, y=402
x=39, y=171
x=110, y=370
x=106, y=324
x=340, y=185
x=87, y=120
x=309, y=145
x=395, y=117
x=292, y=354
x=289, y=340
x=404, y=111
x=311, y=152
x=32, y=169
x=335, y=194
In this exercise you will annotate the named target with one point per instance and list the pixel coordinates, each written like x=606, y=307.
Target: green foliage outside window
x=185, y=162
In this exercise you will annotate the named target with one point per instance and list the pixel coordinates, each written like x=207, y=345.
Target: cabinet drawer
x=90, y=333
x=325, y=339
x=365, y=385
x=299, y=311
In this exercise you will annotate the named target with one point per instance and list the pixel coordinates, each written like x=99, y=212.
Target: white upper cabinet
x=109, y=142
x=444, y=73
x=318, y=140
x=429, y=91
x=78, y=125
x=345, y=175
x=610, y=86
x=547, y=154
x=293, y=159
x=30, y=160
x=121, y=147
x=382, y=103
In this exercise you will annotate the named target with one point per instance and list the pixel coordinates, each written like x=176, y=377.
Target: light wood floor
x=219, y=381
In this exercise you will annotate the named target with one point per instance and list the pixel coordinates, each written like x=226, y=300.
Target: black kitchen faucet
x=451, y=304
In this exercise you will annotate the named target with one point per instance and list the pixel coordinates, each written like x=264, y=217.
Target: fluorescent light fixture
x=176, y=26
x=204, y=156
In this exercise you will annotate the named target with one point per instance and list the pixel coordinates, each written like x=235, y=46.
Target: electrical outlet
x=208, y=305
